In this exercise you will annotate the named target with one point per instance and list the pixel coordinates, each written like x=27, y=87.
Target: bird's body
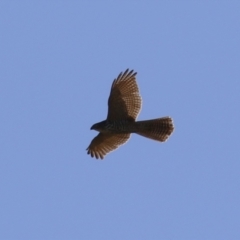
x=119, y=126
x=151, y=127
x=124, y=104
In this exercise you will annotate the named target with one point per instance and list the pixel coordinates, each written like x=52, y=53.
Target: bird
x=124, y=105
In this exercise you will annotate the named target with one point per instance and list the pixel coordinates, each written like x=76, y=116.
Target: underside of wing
x=124, y=100
x=104, y=143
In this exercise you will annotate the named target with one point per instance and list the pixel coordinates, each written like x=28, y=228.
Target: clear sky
x=57, y=63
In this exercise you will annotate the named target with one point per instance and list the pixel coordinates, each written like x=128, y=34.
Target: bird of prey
x=124, y=105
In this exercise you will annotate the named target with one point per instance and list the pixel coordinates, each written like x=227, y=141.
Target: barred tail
x=157, y=129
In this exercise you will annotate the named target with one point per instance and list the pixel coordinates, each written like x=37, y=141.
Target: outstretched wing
x=104, y=143
x=124, y=101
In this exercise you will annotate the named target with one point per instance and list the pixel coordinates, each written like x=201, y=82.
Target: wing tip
x=127, y=73
x=94, y=154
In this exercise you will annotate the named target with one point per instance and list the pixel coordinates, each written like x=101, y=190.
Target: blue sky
x=58, y=60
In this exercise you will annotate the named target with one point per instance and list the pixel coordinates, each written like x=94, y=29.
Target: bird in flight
x=124, y=105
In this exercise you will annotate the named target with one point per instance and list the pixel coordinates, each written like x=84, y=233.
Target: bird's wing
x=104, y=143
x=124, y=100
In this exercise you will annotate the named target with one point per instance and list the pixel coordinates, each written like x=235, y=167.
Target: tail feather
x=157, y=129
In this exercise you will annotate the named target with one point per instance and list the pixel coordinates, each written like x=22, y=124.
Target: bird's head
x=100, y=126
